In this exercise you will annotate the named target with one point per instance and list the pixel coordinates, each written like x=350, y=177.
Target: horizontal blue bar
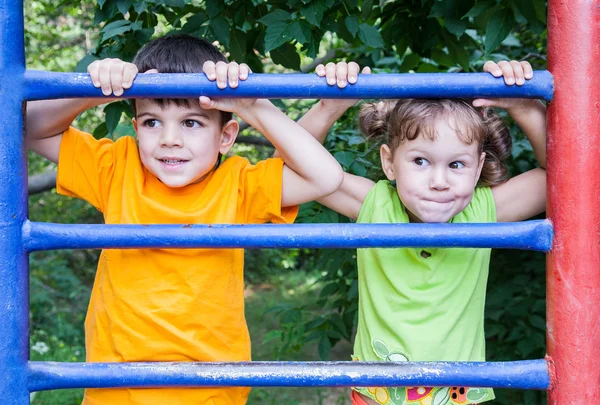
x=528, y=374
x=49, y=85
x=530, y=235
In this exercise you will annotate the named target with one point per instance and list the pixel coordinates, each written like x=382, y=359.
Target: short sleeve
x=260, y=190
x=85, y=167
x=482, y=207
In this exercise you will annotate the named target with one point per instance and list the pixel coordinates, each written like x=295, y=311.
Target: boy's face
x=435, y=179
x=180, y=145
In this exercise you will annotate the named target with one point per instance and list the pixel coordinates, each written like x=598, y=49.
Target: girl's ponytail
x=497, y=144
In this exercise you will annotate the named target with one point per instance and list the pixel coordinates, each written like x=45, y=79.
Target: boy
x=167, y=304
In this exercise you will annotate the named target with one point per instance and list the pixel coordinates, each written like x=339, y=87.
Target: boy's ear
x=386, y=162
x=134, y=122
x=228, y=135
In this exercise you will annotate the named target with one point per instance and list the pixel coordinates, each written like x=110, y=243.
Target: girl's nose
x=439, y=179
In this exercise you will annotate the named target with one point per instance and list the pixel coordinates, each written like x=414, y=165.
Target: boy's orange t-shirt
x=167, y=304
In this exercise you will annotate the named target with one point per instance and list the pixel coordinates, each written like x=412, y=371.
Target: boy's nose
x=171, y=138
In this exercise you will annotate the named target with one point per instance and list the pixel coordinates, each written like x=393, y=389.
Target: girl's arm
x=523, y=196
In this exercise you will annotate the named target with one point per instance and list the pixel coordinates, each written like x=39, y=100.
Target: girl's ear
x=134, y=122
x=480, y=168
x=228, y=135
x=387, y=160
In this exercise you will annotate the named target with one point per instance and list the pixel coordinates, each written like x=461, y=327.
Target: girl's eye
x=421, y=161
x=191, y=124
x=151, y=123
x=456, y=165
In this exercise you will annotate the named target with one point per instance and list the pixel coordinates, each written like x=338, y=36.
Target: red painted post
x=573, y=273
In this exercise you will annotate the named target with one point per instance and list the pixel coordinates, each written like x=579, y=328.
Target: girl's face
x=436, y=178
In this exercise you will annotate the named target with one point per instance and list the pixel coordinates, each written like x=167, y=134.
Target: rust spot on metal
x=187, y=226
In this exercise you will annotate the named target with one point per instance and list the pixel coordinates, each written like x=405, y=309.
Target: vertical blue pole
x=14, y=294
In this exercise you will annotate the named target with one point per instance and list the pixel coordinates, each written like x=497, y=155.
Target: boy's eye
x=151, y=123
x=421, y=161
x=456, y=165
x=191, y=124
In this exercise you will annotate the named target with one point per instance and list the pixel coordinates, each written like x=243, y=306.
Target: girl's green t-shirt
x=422, y=304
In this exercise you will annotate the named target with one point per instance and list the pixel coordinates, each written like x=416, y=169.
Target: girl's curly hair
x=394, y=122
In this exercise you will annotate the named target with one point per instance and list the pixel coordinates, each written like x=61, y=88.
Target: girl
x=445, y=162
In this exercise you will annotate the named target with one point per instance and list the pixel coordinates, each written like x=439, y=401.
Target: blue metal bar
x=529, y=374
x=47, y=85
x=14, y=283
x=530, y=235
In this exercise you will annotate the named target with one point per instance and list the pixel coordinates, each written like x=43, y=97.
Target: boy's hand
x=223, y=72
x=513, y=72
x=113, y=76
x=340, y=73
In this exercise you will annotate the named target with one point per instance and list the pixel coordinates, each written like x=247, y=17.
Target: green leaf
x=441, y=397
x=113, y=113
x=115, y=28
x=101, y=3
x=458, y=52
x=101, y=131
x=456, y=27
x=276, y=16
x=220, y=27
x=278, y=33
x=314, y=12
x=140, y=6
x=351, y=22
x=123, y=6
x=345, y=158
x=194, y=23
x=410, y=62
x=85, y=62
x=366, y=9
x=301, y=31
x=286, y=56
x=480, y=7
x=538, y=322
x=370, y=36
x=237, y=45
x=442, y=58
x=498, y=28
x=214, y=7
x=324, y=348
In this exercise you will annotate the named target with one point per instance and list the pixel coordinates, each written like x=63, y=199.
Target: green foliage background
x=285, y=36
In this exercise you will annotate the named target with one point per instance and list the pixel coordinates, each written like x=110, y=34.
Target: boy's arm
x=310, y=172
x=46, y=120
x=522, y=196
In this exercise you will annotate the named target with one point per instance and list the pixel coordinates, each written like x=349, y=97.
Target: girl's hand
x=224, y=74
x=340, y=73
x=113, y=76
x=513, y=72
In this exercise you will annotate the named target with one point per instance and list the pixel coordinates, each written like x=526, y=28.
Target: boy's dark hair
x=178, y=53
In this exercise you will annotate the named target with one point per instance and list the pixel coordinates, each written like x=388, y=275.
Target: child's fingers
x=116, y=77
x=507, y=72
x=233, y=72
x=244, y=71
x=209, y=70
x=320, y=70
x=518, y=72
x=151, y=71
x=93, y=70
x=493, y=68
x=527, y=69
x=484, y=102
x=353, y=70
x=129, y=74
x=221, y=71
x=206, y=103
x=366, y=70
x=330, y=69
x=341, y=74
x=104, y=77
